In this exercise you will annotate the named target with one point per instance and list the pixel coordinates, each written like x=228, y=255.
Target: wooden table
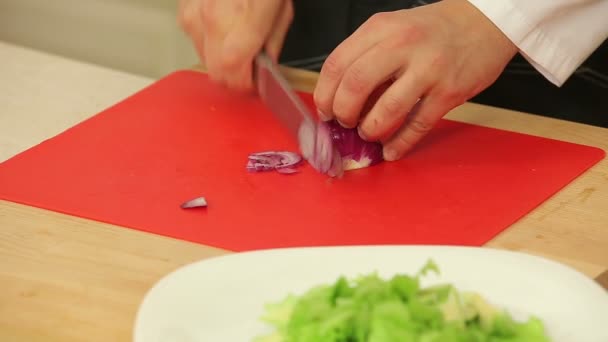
x=69, y=279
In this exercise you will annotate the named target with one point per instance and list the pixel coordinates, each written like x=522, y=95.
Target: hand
x=441, y=54
x=228, y=34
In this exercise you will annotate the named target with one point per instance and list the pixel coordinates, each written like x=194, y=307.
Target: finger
x=391, y=109
x=340, y=59
x=215, y=20
x=191, y=23
x=213, y=37
x=374, y=67
x=184, y=14
x=419, y=123
x=275, y=42
x=211, y=44
x=245, y=41
x=375, y=95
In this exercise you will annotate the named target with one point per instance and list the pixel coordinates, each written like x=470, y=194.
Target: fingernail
x=345, y=125
x=323, y=116
x=361, y=134
x=390, y=154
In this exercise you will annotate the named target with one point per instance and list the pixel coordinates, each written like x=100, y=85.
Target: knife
x=314, y=138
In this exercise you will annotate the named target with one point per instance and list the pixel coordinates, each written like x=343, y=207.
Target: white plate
x=221, y=299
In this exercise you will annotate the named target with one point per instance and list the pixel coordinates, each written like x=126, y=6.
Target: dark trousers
x=319, y=26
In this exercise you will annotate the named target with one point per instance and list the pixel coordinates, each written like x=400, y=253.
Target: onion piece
x=195, y=203
x=355, y=152
x=337, y=168
x=272, y=160
x=306, y=138
x=333, y=150
x=317, y=148
x=336, y=149
x=324, y=148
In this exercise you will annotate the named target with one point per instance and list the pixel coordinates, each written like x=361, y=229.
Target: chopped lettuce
x=372, y=309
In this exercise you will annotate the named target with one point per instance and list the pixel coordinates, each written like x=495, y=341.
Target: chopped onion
x=336, y=149
x=319, y=149
x=307, y=140
x=324, y=149
x=333, y=150
x=337, y=168
x=273, y=160
x=355, y=152
x=195, y=203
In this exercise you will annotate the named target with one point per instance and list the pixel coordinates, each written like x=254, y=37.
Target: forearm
x=555, y=36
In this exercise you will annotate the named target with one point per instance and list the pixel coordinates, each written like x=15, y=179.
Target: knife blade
x=315, y=142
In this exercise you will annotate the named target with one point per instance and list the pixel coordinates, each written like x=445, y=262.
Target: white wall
x=138, y=36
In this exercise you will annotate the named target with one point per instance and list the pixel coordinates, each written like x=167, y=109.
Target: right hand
x=228, y=34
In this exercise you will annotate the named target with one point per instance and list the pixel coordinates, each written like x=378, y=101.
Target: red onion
x=336, y=149
x=273, y=160
x=355, y=152
x=318, y=149
x=333, y=150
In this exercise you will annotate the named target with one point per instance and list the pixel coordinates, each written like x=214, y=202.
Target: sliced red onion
x=324, y=148
x=306, y=138
x=195, y=203
x=316, y=145
x=336, y=149
x=355, y=152
x=272, y=160
x=336, y=169
x=332, y=150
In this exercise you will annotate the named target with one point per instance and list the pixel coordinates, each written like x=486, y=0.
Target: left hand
x=443, y=54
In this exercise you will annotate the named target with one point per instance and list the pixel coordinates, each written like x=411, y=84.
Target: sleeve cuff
x=549, y=55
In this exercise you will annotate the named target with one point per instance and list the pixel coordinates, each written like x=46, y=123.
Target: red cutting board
x=183, y=137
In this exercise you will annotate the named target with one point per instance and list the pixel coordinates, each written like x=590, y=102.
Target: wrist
x=483, y=31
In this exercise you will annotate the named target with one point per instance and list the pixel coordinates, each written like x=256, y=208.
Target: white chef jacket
x=555, y=36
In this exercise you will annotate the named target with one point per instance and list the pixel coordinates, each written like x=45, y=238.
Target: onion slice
x=337, y=166
x=317, y=146
x=273, y=160
x=195, y=203
x=327, y=146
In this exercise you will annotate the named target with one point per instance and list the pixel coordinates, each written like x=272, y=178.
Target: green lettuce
x=369, y=308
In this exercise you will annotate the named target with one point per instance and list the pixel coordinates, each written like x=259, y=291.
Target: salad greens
x=372, y=309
